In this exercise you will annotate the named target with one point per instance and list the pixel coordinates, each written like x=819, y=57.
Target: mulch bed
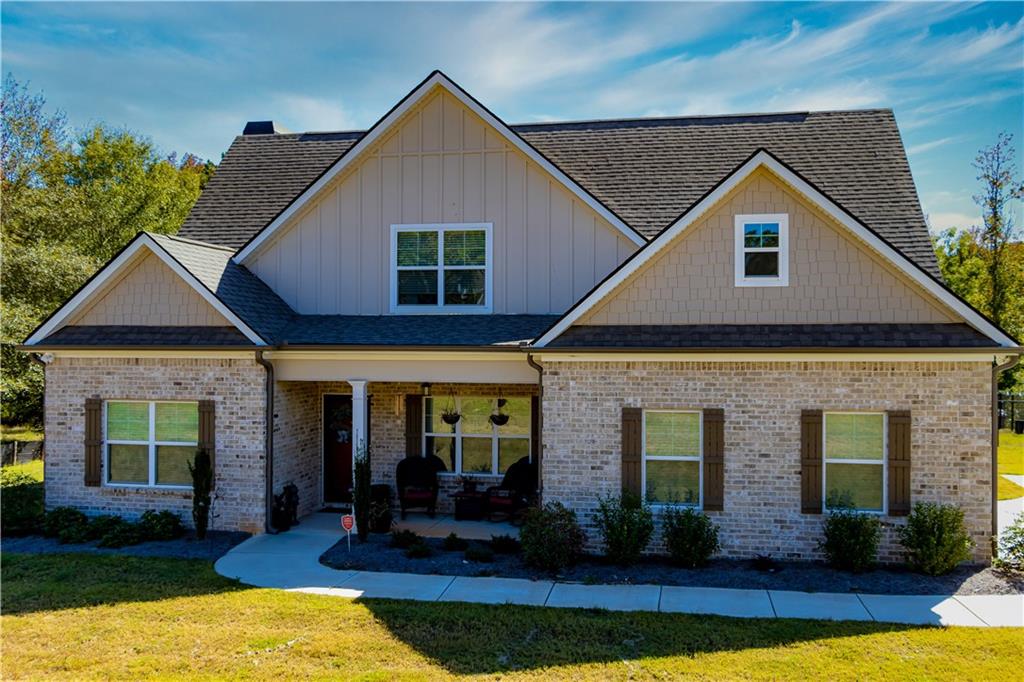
x=377, y=555
x=214, y=546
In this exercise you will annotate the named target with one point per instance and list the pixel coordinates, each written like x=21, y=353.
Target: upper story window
x=762, y=250
x=443, y=268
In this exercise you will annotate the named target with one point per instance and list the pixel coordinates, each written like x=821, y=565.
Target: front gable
x=833, y=277
x=441, y=162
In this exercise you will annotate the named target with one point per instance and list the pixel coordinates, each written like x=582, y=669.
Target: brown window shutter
x=899, y=462
x=714, y=459
x=93, y=441
x=632, y=449
x=810, y=461
x=413, y=425
x=208, y=432
x=535, y=427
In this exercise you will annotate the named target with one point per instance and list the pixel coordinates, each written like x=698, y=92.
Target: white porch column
x=359, y=425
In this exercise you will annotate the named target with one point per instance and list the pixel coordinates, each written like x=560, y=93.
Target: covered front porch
x=326, y=405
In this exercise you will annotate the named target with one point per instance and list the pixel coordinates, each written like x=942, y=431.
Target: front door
x=337, y=449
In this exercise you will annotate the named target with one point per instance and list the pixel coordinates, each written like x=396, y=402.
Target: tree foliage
x=69, y=203
x=985, y=264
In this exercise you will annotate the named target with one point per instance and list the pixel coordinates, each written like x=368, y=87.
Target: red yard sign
x=347, y=522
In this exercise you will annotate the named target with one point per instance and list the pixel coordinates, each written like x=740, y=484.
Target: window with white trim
x=441, y=268
x=855, y=452
x=673, y=454
x=762, y=250
x=474, y=444
x=150, y=443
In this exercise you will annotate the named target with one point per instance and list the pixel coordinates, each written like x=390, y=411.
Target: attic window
x=441, y=268
x=762, y=250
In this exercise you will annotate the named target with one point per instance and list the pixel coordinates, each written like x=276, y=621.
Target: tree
x=997, y=173
x=69, y=203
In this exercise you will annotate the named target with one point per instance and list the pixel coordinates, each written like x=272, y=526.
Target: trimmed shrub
x=21, y=502
x=690, y=536
x=1011, y=544
x=419, y=550
x=404, y=539
x=551, y=537
x=504, y=544
x=99, y=526
x=935, y=538
x=480, y=554
x=62, y=518
x=851, y=540
x=122, y=534
x=160, y=525
x=453, y=543
x=626, y=525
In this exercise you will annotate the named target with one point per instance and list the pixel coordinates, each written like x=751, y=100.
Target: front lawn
x=1011, y=452
x=79, y=616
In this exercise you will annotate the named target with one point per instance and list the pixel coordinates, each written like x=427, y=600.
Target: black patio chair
x=416, y=478
x=517, y=490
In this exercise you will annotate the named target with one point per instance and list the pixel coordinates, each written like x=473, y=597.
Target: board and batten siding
x=441, y=164
x=833, y=277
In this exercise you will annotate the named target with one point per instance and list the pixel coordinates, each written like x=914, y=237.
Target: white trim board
x=436, y=79
x=115, y=268
x=763, y=159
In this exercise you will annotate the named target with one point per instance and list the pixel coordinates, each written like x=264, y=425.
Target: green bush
x=21, y=502
x=480, y=554
x=76, y=532
x=935, y=538
x=160, y=525
x=626, y=525
x=504, y=544
x=420, y=550
x=121, y=534
x=403, y=539
x=56, y=520
x=1011, y=544
x=690, y=536
x=453, y=543
x=851, y=540
x=551, y=537
x=99, y=526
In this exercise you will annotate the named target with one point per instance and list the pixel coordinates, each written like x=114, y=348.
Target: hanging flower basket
x=450, y=418
x=499, y=419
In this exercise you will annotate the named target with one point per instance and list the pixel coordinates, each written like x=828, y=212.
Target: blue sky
x=190, y=75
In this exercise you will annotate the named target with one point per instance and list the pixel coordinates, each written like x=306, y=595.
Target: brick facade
x=237, y=387
x=951, y=437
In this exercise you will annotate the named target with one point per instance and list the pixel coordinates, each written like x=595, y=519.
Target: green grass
x=99, y=617
x=19, y=432
x=33, y=468
x=1011, y=452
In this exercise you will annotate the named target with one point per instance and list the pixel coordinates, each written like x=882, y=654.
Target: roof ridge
x=628, y=119
x=196, y=242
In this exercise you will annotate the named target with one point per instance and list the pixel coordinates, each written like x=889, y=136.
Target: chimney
x=263, y=128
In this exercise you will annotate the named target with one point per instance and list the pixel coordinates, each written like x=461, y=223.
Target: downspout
x=268, y=471
x=996, y=371
x=540, y=423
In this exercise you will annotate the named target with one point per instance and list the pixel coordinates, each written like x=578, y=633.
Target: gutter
x=997, y=369
x=268, y=469
x=540, y=423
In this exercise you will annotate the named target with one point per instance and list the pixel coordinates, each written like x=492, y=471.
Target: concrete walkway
x=290, y=561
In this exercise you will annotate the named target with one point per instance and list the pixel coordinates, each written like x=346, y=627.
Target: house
x=742, y=314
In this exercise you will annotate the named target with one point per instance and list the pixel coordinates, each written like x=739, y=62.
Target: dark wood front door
x=337, y=448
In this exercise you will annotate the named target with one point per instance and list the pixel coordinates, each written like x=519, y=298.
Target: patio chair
x=416, y=478
x=516, y=491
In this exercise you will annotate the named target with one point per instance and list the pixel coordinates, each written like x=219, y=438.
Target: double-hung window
x=150, y=443
x=441, y=268
x=762, y=250
x=855, y=452
x=672, y=457
x=475, y=445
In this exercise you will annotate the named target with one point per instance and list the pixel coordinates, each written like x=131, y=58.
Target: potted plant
x=450, y=415
x=499, y=418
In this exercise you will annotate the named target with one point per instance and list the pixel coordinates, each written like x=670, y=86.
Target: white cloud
x=933, y=144
x=937, y=222
x=305, y=113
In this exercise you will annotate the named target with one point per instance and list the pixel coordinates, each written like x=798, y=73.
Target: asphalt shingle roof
x=648, y=171
x=764, y=336
x=132, y=335
x=415, y=330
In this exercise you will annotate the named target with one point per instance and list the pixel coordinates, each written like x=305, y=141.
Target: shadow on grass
x=482, y=639
x=50, y=582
